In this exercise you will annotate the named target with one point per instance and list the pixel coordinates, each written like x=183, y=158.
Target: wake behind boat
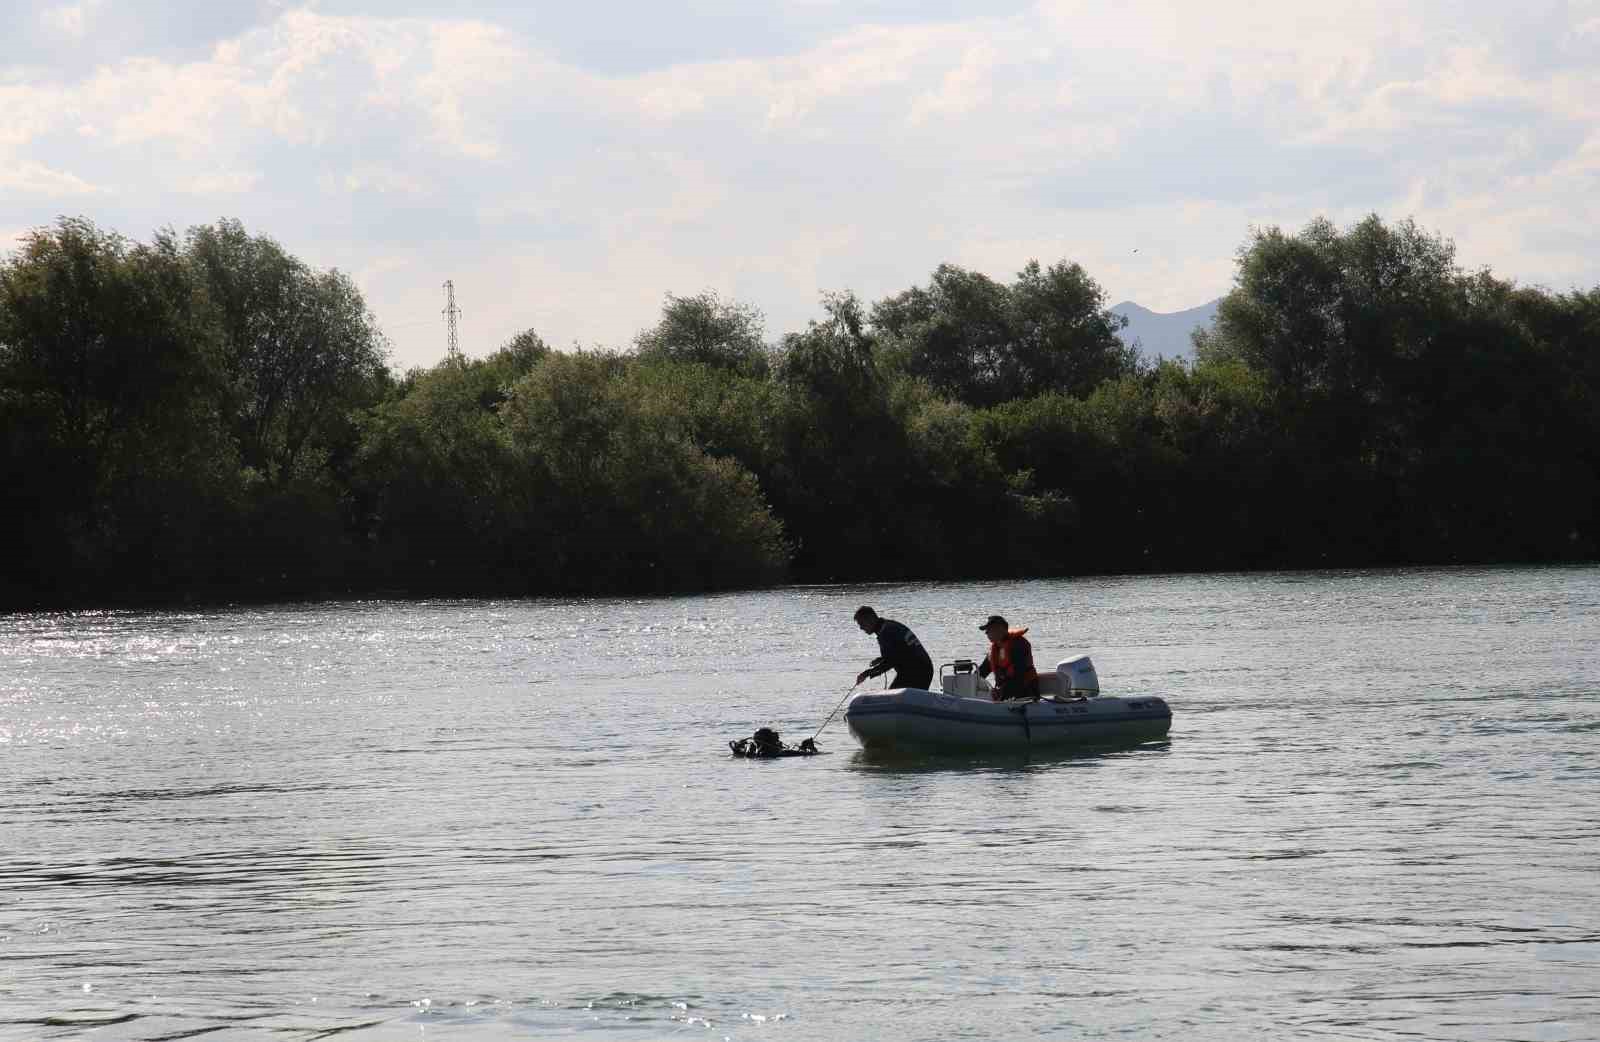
x=1069, y=711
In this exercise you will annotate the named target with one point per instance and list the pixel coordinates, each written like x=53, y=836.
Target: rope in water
x=847, y=694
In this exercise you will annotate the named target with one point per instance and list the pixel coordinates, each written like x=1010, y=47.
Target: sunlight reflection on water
x=498, y=820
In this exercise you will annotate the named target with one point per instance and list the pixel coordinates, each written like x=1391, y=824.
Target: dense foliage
x=208, y=416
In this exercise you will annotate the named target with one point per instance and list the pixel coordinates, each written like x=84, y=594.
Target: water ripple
x=504, y=820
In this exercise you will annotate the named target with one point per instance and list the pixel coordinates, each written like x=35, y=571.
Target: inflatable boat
x=961, y=715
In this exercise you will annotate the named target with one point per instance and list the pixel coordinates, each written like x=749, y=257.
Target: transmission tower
x=451, y=313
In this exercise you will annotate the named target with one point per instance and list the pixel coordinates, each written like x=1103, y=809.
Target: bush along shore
x=207, y=417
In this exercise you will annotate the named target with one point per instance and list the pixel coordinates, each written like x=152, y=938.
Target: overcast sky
x=569, y=164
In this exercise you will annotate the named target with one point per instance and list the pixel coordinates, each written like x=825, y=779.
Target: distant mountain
x=1161, y=335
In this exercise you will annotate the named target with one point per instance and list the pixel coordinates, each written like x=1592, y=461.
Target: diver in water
x=898, y=649
x=765, y=744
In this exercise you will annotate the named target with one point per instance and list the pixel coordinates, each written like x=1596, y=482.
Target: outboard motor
x=1078, y=677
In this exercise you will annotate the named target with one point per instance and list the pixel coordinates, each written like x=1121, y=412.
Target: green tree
x=719, y=410
x=709, y=330
x=1065, y=338
x=299, y=355
x=983, y=343
x=446, y=500
x=1335, y=313
x=839, y=456
x=637, y=505
x=956, y=334
x=300, y=349
x=113, y=445
x=1399, y=385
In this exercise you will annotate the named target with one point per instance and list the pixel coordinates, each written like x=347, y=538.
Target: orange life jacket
x=1005, y=670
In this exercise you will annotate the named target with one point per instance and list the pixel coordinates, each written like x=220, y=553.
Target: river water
x=1377, y=817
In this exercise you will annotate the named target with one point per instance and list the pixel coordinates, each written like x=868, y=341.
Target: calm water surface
x=1376, y=818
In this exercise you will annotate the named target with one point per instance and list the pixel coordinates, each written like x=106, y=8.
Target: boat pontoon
x=1070, y=711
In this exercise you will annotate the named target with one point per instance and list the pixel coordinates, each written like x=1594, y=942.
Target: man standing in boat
x=898, y=649
x=1010, y=658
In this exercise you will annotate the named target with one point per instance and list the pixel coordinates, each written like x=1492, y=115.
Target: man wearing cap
x=898, y=649
x=1010, y=659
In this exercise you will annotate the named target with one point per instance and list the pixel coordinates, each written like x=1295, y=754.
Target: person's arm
x=983, y=668
x=877, y=668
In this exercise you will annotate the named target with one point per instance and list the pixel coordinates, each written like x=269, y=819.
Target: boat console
x=1073, y=678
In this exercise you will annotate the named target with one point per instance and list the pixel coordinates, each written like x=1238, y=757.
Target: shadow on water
x=919, y=761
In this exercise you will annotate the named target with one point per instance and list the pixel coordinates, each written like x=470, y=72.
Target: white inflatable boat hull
x=910, y=718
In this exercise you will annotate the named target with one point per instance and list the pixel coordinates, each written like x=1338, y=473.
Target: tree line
x=207, y=416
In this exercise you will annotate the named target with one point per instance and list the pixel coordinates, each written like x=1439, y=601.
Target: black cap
x=1001, y=619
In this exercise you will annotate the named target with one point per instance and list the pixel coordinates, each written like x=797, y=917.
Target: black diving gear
x=766, y=745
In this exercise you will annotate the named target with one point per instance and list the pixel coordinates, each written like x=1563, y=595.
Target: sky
x=568, y=165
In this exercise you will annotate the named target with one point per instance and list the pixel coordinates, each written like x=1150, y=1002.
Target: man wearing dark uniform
x=898, y=649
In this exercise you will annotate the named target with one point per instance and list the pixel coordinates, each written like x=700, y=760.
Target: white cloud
x=862, y=63
x=69, y=20
x=26, y=111
x=223, y=183
x=471, y=65
x=380, y=180
x=414, y=149
x=963, y=89
x=36, y=179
